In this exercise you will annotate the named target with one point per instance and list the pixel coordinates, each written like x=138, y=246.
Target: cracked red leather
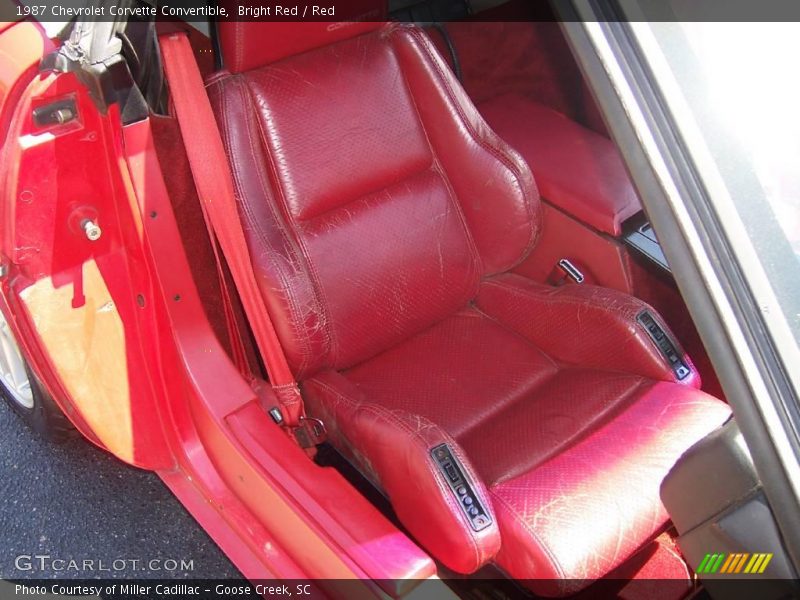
x=558, y=446
x=393, y=446
x=584, y=511
x=382, y=180
x=375, y=221
x=493, y=184
x=584, y=325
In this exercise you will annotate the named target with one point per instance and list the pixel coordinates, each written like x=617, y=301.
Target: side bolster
x=394, y=449
x=582, y=325
x=280, y=267
x=494, y=185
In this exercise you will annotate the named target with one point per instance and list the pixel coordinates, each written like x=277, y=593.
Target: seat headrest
x=247, y=44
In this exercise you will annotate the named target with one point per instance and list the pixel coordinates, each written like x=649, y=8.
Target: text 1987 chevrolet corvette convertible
x=384, y=302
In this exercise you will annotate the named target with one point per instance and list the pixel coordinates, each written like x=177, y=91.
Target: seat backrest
x=373, y=195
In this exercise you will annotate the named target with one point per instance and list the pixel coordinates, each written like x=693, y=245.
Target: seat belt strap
x=238, y=352
x=214, y=183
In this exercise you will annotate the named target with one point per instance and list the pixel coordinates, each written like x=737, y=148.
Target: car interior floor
x=523, y=79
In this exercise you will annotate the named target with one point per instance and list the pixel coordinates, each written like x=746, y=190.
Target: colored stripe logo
x=751, y=564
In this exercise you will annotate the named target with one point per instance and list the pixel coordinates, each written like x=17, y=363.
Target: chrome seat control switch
x=571, y=271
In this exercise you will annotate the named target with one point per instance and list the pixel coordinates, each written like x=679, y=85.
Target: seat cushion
x=571, y=456
x=586, y=508
x=576, y=169
x=500, y=366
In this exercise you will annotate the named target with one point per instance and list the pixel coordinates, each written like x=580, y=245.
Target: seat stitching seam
x=569, y=443
x=446, y=495
x=257, y=226
x=517, y=334
x=250, y=217
x=476, y=266
x=312, y=274
x=551, y=299
x=388, y=416
x=365, y=196
x=236, y=169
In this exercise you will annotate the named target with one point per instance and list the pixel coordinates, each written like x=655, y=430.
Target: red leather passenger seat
x=383, y=216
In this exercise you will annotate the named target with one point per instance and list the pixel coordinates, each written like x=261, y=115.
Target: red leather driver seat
x=383, y=217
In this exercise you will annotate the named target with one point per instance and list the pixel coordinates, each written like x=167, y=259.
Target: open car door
x=76, y=286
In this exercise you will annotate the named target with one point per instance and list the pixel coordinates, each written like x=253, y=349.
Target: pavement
x=75, y=502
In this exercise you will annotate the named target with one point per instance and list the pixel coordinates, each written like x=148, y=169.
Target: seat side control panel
x=467, y=499
x=667, y=347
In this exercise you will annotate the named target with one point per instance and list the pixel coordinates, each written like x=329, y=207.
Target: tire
x=25, y=394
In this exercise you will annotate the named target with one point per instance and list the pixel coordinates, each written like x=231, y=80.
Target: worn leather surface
x=578, y=170
x=571, y=445
x=601, y=325
x=382, y=180
x=612, y=472
x=392, y=447
x=493, y=184
x=381, y=225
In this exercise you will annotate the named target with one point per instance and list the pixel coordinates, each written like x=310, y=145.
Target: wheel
x=23, y=392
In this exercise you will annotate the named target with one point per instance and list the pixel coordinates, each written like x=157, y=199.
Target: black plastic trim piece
x=668, y=348
x=641, y=236
x=461, y=488
x=55, y=113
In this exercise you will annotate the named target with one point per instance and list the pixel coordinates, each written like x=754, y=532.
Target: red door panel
x=80, y=306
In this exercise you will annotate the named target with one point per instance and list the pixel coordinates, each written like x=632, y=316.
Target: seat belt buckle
x=310, y=433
